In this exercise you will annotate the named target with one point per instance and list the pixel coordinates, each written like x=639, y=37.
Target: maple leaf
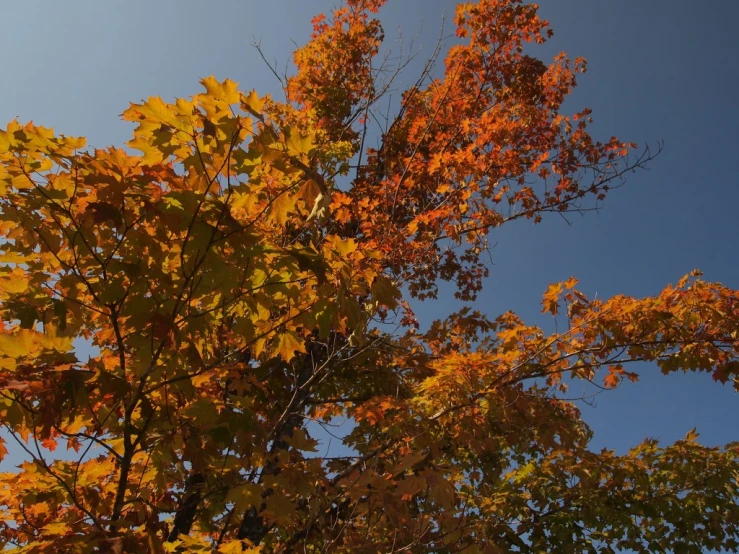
x=227, y=91
x=252, y=103
x=280, y=206
x=287, y=344
x=385, y=292
x=611, y=380
x=551, y=298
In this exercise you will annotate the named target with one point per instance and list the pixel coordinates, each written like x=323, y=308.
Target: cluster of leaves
x=234, y=296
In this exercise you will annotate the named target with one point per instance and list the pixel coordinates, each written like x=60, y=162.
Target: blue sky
x=658, y=70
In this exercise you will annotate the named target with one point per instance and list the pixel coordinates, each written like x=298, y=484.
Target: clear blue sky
x=662, y=69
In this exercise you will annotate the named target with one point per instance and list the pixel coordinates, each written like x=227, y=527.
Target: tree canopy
x=249, y=273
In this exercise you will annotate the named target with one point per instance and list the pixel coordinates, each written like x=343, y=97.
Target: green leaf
x=245, y=496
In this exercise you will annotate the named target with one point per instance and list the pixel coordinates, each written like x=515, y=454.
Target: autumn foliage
x=250, y=273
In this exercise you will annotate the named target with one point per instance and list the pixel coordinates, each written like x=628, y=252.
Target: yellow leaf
x=523, y=472
x=244, y=201
x=551, y=298
x=51, y=341
x=56, y=528
x=280, y=207
x=230, y=547
x=342, y=247
x=18, y=345
x=253, y=103
x=10, y=257
x=154, y=109
x=6, y=141
x=116, y=445
x=22, y=181
x=236, y=546
x=287, y=344
x=227, y=91
x=15, y=284
x=299, y=144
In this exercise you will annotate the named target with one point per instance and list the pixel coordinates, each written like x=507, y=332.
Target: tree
x=248, y=276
